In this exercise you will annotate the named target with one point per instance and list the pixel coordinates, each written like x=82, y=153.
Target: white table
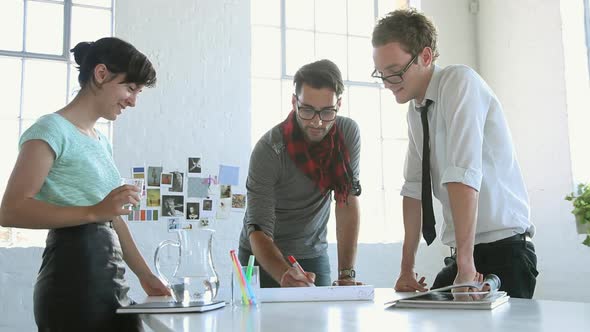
x=347, y=316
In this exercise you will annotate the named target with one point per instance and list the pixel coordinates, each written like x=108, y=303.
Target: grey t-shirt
x=286, y=204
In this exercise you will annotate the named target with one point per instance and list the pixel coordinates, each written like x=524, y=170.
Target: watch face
x=350, y=273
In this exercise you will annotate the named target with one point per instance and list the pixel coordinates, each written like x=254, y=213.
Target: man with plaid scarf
x=294, y=168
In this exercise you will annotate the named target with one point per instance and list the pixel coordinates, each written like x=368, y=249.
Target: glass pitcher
x=194, y=277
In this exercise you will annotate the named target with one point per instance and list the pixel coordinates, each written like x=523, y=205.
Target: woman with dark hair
x=65, y=180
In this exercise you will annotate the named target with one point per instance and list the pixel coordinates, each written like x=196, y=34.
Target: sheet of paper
x=229, y=175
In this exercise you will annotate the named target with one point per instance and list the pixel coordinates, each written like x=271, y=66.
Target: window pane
x=299, y=14
x=265, y=12
x=299, y=50
x=394, y=152
x=394, y=156
x=89, y=24
x=360, y=59
x=333, y=48
x=44, y=87
x=330, y=16
x=364, y=109
x=344, y=107
x=394, y=223
x=361, y=17
x=11, y=19
x=266, y=52
x=393, y=117
x=44, y=27
x=101, y=3
x=371, y=199
x=10, y=87
x=287, y=91
x=266, y=106
x=386, y=6
x=74, y=85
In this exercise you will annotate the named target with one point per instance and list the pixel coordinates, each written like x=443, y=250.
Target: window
x=287, y=34
x=39, y=74
x=587, y=26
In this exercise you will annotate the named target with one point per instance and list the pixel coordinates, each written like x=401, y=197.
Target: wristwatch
x=346, y=273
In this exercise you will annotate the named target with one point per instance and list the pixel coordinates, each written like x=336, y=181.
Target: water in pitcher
x=195, y=288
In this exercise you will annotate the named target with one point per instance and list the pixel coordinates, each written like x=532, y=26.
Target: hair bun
x=80, y=51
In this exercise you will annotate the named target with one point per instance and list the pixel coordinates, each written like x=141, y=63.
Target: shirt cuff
x=469, y=177
x=412, y=189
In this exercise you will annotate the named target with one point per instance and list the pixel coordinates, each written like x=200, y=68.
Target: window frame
x=64, y=57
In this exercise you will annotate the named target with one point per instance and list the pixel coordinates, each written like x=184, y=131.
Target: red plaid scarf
x=326, y=163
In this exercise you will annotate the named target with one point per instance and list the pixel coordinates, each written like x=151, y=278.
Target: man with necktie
x=460, y=149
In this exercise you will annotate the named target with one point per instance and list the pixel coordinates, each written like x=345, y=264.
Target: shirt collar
x=432, y=89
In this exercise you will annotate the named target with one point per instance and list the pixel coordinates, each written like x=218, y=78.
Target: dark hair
x=410, y=28
x=319, y=74
x=118, y=56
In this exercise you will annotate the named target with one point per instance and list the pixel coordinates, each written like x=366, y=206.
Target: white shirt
x=470, y=143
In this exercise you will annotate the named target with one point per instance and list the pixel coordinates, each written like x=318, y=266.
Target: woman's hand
x=153, y=286
x=113, y=204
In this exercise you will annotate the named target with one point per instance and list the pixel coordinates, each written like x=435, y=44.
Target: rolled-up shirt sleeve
x=263, y=174
x=412, y=186
x=466, y=105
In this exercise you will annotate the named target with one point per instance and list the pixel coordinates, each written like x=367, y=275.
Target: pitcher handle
x=157, y=258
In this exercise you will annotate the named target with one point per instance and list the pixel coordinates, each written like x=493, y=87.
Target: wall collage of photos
x=187, y=198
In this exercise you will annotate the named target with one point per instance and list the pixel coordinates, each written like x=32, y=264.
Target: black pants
x=81, y=282
x=513, y=260
x=318, y=265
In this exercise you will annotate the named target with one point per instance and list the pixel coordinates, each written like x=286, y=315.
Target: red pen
x=296, y=265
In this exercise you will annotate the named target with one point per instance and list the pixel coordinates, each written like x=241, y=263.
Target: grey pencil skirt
x=81, y=282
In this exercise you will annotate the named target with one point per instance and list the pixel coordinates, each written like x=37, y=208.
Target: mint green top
x=83, y=171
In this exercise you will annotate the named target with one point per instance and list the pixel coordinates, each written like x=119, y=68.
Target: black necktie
x=428, y=230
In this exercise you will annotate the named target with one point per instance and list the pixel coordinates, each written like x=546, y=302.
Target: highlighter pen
x=296, y=265
x=250, y=268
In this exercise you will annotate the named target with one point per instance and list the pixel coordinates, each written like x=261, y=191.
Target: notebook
x=316, y=294
x=170, y=307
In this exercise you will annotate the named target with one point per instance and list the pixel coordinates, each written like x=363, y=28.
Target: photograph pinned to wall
x=197, y=187
x=138, y=172
x=208, y=208
x=176, y=224
x=229, y=175
x=172, y=206
x=142, y=215
x=194, y=165
x=224, y=208
x=177, y=182
x=238, y=201
x=153, y=197
x=154, y=175
x=224, y=191
x=166, y=180
x=192, y=210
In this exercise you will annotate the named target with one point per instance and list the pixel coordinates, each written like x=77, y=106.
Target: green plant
x=581, y=203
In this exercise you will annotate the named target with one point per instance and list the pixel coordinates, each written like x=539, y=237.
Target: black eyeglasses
x=396, y=78
x=307, y=112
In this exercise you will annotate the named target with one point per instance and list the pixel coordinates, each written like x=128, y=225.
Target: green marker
x=249, y=268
